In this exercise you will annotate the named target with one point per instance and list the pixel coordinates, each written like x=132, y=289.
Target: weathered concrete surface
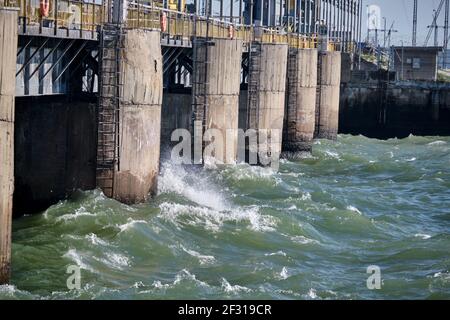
x=243, y=107
x=55, y=144
x=8, y=52
x=176, y=114
x=301, y=103
x=140, y=117
x=222, y=93
x=269, y=113
x=419, y=108
x=346, y=67
x=327, y=110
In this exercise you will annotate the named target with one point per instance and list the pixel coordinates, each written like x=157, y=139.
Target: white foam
x=228, y=288
x=8, y=289
x=186, y=275
x=304, y=240
x=422, y=236
x=159, y=285
x=210, y=208
x=73, y=255
x=174, y=178
x=278, y=253
x=80, y=212
x=437, y=143
x=130, y=224
x=118, y=261
x=247, y=172
x=442, y=275
x=312, y=293
x=284, y=274
x=354, y=209
x=332, y=154
x=203, y=259
x=305, y=196
x=92, y=237
x=138, y=285
x=213, y=219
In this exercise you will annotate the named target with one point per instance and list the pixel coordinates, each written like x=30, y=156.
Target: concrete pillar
x=267, y=90
x=8, y=52
x=301, y=103
x=435, y=104
x=223, y=77
x=327, y=110
x=134, y=174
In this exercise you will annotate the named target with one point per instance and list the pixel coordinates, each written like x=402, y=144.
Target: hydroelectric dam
x=90, y=91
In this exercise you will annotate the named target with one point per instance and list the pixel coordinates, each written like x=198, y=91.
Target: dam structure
x=90, y=91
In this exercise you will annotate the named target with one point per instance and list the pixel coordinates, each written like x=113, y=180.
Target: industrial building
x=416, y=63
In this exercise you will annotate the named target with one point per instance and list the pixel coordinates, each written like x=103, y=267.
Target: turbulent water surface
x=308, y=231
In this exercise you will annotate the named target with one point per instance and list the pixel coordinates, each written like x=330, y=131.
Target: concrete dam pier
x=94, y=103
x=130, y=99
x=300, y=118
x=8, y=51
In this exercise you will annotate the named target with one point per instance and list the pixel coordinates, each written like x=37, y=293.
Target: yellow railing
x=69, y=14
x=86, y=15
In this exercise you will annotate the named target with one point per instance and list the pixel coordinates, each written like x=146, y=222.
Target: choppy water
x=306, y=232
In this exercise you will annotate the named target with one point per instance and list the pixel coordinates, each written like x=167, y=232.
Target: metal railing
x=67, y=14
x=86, y=15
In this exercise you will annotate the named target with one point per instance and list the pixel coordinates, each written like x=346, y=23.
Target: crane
x=390, y=31
x=434, y=23
x=414, y=34
x=447, y=9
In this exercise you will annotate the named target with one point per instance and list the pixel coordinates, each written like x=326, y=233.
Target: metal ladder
x=292, y=95
x=200, y=85
x=318, y=94
x=110, y=92
x=254, y=74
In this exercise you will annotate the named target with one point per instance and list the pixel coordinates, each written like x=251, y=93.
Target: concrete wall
x=412, y=108
x=224, y=79
x=243, y=101
x=301, y=102
x=176, y=114
x=271, y=91
x=55, y=145
x=346, y=67
x=327, y=110
x=8, y=51
x=140, y=116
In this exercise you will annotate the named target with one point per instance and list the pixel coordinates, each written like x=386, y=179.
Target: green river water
x=308, y=231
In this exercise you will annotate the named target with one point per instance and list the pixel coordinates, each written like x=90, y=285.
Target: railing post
x=93, y=19
x=55, y=24
x=119, y=11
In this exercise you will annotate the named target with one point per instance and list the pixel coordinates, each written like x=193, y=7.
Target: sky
x=401, y=12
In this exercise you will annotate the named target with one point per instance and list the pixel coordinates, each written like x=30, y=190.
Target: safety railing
x=59, y=14
x=86, y=15
x=183, y=25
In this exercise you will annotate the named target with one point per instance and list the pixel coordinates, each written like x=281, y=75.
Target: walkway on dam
x=81, y=20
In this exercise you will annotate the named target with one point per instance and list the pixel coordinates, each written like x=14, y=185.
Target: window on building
x=416, y=63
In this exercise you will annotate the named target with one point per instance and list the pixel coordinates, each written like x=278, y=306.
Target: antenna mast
x=414, y=34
